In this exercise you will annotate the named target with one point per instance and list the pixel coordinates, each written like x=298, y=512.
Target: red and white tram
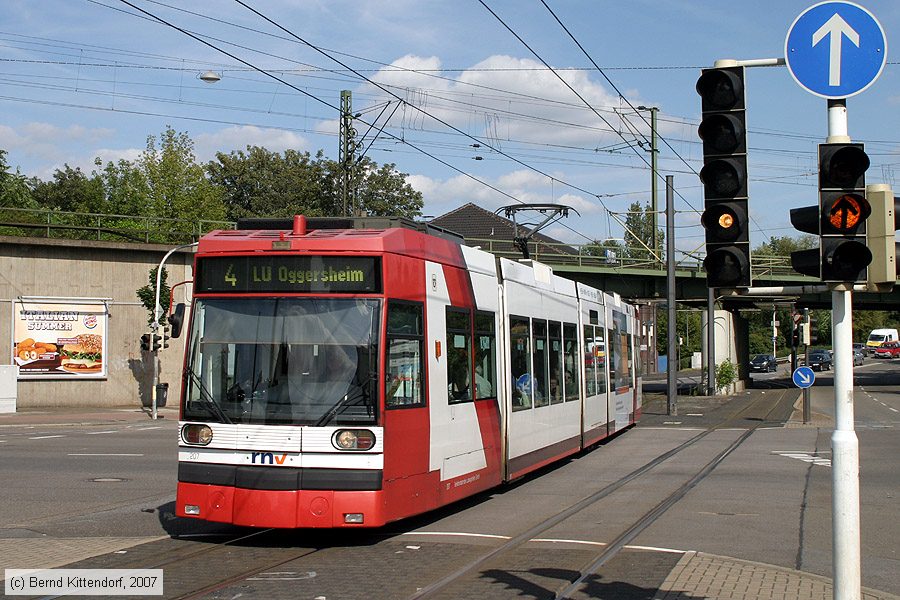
x=352, y=372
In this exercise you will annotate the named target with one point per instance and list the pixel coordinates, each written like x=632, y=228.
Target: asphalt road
x=768, y=502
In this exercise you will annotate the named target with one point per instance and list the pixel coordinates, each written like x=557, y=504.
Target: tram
x=352, y=372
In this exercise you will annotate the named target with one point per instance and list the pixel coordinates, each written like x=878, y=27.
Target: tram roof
x=337, y=234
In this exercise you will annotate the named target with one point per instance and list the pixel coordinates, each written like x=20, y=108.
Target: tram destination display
x=289, y=274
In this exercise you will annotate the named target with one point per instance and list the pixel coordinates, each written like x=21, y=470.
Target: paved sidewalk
x=701, y=575
x=59, y=416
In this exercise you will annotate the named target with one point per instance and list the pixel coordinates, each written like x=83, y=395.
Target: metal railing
x=157, y=230
x=585, y=256
x=95, y=226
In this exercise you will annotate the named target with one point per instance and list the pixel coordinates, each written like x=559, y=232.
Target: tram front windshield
x=283, y=361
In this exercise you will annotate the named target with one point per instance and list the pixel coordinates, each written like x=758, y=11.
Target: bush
x=726, y=374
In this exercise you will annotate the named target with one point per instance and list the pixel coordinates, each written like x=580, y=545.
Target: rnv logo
x=267, y=458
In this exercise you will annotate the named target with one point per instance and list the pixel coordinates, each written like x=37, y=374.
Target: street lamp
x=209, y=77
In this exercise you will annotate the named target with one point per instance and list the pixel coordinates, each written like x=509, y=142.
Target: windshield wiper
x=208, y=401
x=341, y=403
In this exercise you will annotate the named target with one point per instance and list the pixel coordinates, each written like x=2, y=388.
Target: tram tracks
x=244, y=563
x=757, y=414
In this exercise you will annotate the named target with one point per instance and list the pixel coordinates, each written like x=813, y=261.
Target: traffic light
x=145, y=342
x=723, y=129
x=883, y=222
x=156, y=342
x=166, y=337
x=840, y=218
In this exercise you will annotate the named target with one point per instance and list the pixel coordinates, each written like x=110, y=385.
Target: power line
x=201, y=40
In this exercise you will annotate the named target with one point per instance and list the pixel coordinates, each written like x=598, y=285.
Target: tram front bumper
x=285, y=509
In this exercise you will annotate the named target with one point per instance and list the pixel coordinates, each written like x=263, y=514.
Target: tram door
x=456, y=446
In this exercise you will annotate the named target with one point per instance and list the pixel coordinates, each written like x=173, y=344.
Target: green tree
x=783, y=246
x=603, y=248
x=71, y=190
x=14, y=190
x=639, y=234
x=261, y=183
x=147, y=295
x=384, y=191
x=177, y=184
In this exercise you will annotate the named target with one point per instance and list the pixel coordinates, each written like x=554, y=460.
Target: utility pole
x=672, y=367
x=654, y=166
x=346, y=152
x=654, y=172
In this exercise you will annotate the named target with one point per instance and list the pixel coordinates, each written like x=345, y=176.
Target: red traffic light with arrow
x=840, y=218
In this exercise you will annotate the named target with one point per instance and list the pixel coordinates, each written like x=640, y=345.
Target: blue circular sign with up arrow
x=803, y=377
x=835, y=49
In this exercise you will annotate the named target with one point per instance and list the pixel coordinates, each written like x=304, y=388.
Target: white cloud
x=206, y=145
x=441, y=196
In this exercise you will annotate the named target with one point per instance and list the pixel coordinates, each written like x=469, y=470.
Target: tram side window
x=485, y=356
x=620, y=353
x=541, y=357
x=520, y=362
x=601, y=357
x=590, y=363
x=594, y=360
x=556, y=379
x=459, y=355
x=570, y=361
x=406, y=344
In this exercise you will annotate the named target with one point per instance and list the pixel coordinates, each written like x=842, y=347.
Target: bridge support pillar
x=732, y=342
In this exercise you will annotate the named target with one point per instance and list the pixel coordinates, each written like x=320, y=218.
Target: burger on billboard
x=59, y=339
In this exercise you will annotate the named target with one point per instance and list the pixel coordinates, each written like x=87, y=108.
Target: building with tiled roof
x=495, y=234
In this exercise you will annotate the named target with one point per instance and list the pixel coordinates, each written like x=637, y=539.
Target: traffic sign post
x=803, y=377
x=835, y=49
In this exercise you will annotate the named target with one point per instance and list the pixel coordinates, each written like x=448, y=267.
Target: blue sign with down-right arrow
x=804, y=377
x=835, y=49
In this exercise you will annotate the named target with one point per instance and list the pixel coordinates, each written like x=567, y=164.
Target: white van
x=880, y=336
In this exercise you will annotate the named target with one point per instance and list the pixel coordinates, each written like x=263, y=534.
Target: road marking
x=458, y=533
x=891, y=408
x=148, y=428
x=543, y=540
x=101, y=454
x=99, y=432
x=45, y=437
x=283, y=576
x=806, y=457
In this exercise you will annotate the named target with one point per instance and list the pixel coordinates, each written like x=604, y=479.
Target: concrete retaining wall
x=79, y=268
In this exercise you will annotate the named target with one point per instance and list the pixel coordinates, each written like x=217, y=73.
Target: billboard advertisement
x=60, y=339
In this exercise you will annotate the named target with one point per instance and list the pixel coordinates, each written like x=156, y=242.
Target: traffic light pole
x=154, y=327
x=844, y=443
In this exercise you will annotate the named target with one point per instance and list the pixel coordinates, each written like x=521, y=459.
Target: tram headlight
x=353, y=439
x=199, y=435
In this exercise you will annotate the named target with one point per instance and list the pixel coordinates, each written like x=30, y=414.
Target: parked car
x=862, y=348
x=819, y=360
x=888, y=350
x=859, y=356
x=763, y=363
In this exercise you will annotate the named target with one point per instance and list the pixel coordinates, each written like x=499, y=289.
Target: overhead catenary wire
x=538, y=157
x=312, y=96
x=590, y=58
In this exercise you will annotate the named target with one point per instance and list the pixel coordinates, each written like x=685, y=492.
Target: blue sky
x=93, y=78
